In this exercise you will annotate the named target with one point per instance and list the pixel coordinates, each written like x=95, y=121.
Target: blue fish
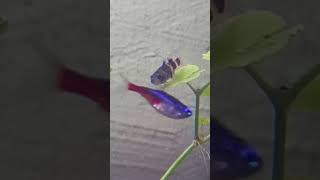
x=232, y=156
x=161, y=101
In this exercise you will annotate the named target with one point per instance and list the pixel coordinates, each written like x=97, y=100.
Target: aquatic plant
x=241, y=42
x=185, y=75
x=247, y=39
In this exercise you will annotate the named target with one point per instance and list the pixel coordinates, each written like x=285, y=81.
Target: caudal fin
x=64, y=79
x=96, y=89
x=126, y=84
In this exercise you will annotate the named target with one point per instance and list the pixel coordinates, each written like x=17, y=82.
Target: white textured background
x=143, y=34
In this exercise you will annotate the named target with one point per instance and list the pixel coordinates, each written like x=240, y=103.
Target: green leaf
x=309, y=98
x=184, y=74
x=3, y=25
x=206, y=91
x=206, y=56
x=248, y=38
x=204, y=121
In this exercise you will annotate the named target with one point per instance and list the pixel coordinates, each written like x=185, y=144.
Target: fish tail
x=93, y=88
x=128, y=85
x=64, y=79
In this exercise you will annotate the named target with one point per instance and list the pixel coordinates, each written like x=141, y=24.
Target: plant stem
x=197, y=93
x=269, y=91
x=279, y=141
x=182, y=157
x=192, y=88
x=196, y=118
x=281, y=102
x=196, y=140
x=176, y=163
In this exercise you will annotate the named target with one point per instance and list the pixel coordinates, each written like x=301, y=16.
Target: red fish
x=95, y=89
x=67, y=80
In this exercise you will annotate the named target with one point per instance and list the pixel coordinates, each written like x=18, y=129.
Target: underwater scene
x=266, y=90
x=159, y=89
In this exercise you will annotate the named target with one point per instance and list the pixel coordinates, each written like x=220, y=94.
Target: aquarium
x=146, y=36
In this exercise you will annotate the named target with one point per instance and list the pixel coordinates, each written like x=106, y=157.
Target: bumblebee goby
x=165, y=71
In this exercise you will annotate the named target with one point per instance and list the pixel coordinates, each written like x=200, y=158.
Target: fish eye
x=188, y=112
x=253, y=164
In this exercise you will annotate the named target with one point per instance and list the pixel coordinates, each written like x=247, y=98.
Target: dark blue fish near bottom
x=232, y=157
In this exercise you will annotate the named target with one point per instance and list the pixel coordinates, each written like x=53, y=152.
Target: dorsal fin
x=178, y=61
x=172, y=64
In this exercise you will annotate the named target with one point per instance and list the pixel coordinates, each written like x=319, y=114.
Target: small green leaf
x=3, y=25
x=184, y=74
x=250, y=37
x=204, y=121
x=309, y=98
x=206, y=91
x=206, y=56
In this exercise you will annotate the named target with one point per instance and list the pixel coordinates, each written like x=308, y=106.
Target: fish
x=95, y=89
x=161, y=101
x=232, y=156
x=165, y=71
x=66, y=80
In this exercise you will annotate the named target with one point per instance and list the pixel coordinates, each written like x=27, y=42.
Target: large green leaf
x=3, y=25
x=184, y=75
x=248, y=38
x=309, y=98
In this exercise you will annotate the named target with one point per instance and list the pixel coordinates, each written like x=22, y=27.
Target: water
x=143, y=34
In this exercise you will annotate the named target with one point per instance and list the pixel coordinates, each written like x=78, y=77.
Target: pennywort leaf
x=206, y=91
x=309, y=98
x=184, y=75
x=250, y=37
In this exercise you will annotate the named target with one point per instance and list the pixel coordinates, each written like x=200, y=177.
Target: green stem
x=189, y=149
x=183, y=156
x=178, y=161
x=281, y=102
x=192, y=88
x=279, y=141
x=269, y=91
x=279, y=123
x=196, y=118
